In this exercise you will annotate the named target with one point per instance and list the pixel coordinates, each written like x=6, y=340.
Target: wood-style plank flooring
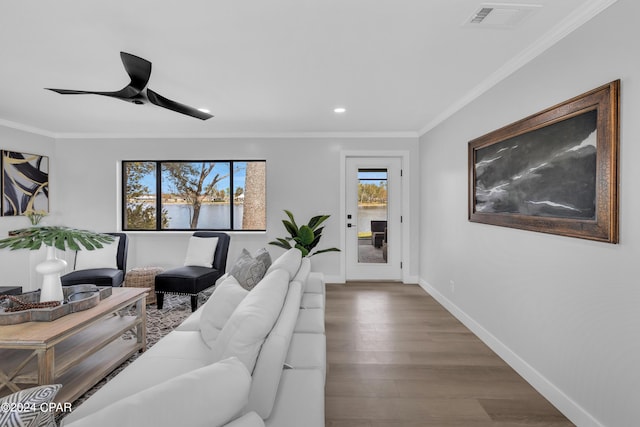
x=397, y=358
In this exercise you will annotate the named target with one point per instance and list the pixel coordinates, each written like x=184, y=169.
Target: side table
x=143, y=277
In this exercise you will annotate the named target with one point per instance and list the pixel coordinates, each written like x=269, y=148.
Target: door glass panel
x=372, y=216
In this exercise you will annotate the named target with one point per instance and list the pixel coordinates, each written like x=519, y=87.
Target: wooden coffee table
x=76, y=350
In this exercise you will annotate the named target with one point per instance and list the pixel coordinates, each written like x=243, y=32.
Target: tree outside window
x=194, y=195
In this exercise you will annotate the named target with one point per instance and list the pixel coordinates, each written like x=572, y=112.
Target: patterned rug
x=159, y=323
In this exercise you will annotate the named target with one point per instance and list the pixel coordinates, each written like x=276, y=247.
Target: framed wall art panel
x=25, y=183
x=553, y=172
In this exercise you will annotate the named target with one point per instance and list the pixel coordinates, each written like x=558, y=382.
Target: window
x=194, y=195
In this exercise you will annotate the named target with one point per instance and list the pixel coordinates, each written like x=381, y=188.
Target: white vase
x=51, y=268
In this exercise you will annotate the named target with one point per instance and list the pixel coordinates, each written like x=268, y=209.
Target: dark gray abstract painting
x=548, y=172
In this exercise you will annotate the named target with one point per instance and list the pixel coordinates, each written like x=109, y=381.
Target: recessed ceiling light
x=339, y=110
x=204, y=110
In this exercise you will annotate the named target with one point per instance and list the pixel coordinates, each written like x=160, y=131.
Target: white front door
x=373, y=218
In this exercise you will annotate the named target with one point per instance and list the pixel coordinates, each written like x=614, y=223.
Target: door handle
x=349, y=225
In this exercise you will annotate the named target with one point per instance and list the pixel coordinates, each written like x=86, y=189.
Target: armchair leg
x=159, y=299
x=194, y=302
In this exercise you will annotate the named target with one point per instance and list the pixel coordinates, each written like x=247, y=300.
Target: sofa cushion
x=219, y=307
x=96, y=276
x=310, y=300
x=295, y=408
x=307, y=351
x=142, y=373
x=245, y=331
x=189, y=279
x=209, y=396
x=268, y=369
x=247, y=420
x=24, y=407
x=200, y=251
x=186, y=345
x=105, y=257
x=191, y=323
x=289, y=261
x=310, y=320
x=248, y=270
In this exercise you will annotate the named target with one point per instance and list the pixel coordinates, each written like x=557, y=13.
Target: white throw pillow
x=200, y=251
x=253, y=319
x=106, y=257
x=219, y=307
x=209, y=396
x=289, y=261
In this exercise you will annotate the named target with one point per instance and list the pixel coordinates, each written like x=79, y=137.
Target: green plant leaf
x=293, y=221
x=282, y=243
x=305, y=235
x=291, y=228
x=59, y=237
x=302, y=249
x=317, y=220
x=85, y=243
x=326, y=250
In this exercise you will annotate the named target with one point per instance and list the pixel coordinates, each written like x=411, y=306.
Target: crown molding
x=26, y=128
x=572, y=22
x=232, y=135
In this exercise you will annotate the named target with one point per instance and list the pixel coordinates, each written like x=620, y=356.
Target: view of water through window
x=203, y=195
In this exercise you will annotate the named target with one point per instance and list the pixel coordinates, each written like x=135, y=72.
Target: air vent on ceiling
x=500, y=15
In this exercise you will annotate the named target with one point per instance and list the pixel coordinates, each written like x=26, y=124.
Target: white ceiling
x=262, y=67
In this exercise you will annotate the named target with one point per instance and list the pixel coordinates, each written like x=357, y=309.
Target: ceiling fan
x=137, y=92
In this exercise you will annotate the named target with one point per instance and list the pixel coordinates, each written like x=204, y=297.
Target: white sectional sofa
x=245, y=358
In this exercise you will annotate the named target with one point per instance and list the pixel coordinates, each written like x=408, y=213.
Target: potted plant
x=53, y=237
x=305, y=238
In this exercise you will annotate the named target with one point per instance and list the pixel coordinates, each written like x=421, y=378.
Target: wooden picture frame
x=553, y=172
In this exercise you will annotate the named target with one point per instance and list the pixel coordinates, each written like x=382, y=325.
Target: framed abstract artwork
x=553, y=172
x=25, y=183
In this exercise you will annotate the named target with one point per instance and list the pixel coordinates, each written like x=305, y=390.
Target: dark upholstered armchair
x=102, y=276
x=377, y=232
x=193, y=279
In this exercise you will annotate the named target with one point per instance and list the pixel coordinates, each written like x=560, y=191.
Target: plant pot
x=51, y=269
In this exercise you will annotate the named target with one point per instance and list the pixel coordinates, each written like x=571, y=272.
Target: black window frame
x=158, y=193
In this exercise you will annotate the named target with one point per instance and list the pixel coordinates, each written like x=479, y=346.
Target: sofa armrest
x=315, y=283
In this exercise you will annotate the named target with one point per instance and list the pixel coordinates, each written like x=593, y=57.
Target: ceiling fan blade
x=73, y=92
x=138, y=69
x=161, y=101
x=127, y=94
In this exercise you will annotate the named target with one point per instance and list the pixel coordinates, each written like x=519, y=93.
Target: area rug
x=175, y=309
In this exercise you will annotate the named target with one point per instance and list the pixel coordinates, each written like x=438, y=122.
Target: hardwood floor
x=397, y=358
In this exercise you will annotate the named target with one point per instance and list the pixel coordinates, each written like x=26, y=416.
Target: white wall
x=564, y=312
x=302, y=176
x=17, y=267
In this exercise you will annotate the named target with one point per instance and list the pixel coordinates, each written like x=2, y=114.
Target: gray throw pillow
x=248, y=270
x=263, y=256
x=29, y=408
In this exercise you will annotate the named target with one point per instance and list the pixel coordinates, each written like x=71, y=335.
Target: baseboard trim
x=334, y=279
x=341, y=280
x=574, y=412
